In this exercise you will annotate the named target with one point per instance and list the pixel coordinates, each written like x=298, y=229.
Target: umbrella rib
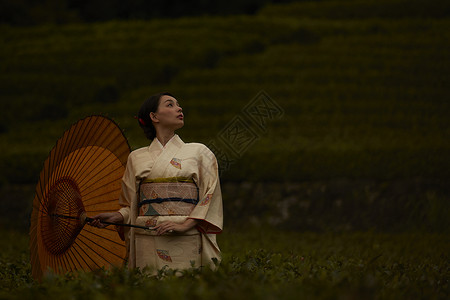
x=102, y=246
x=81, y=155
x=47, y=176
x=41, y=187
x=106, y=134
x=82, y=184
x=39, y=190
x=86, y=142
x=61, y=263
x=54, y=236
x=50, y=262
x=63, y=196
x=100, y=195
x=93, y=158
x=68, y=256
x=42, y=207
x=67, y=148
x=77, y=155
x=76, y=254
x=96, y=196
x=84, y=159
x=98, y=254
x=87, y=255
x=112, y=241
x=92, y=183
x=103, y=138
x=52, y=166
x=62, y=151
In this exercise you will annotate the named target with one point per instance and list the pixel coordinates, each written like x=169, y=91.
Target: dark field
x=261, y=264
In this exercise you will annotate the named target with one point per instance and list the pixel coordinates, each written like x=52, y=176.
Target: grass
x=364, y=91
x=261, y=264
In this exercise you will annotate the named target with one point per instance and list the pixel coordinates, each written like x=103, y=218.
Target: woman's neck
x=164, y=136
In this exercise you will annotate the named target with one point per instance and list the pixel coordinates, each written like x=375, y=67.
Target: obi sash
x=173, y=196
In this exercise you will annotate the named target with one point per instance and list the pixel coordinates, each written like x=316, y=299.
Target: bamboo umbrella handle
x=84, y=219
x=87, y=219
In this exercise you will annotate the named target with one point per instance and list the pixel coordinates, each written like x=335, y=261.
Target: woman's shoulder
x=138, y=152
x=199, y=148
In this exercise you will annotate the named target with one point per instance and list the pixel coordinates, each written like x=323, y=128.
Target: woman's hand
x=169, y=227
x=113, y=217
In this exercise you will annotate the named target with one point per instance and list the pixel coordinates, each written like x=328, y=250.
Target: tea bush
x=260, y=263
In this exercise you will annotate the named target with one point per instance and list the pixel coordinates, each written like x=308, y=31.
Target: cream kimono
x=172, y=183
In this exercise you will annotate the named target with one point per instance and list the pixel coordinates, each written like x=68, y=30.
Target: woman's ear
x=153, y=117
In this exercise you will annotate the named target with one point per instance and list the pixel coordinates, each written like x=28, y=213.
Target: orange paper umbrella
x=81, y=177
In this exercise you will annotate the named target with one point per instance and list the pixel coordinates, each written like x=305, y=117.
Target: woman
x=173, y=188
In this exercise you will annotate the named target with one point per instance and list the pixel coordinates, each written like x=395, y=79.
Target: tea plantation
x=342, y=193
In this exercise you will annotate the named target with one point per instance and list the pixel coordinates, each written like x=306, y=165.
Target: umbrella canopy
x=81, y=177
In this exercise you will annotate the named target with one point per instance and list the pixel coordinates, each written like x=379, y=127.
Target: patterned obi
x=173, y=196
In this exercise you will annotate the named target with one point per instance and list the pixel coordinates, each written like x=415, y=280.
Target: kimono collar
x=174, y=141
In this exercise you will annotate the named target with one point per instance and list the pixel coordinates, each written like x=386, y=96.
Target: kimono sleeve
x=128, y=192
x=209, y=208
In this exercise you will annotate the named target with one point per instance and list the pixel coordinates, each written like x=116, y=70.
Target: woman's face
x=169, y=113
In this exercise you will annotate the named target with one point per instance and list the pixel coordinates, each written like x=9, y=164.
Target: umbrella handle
x=84, y=219
x=87, y=219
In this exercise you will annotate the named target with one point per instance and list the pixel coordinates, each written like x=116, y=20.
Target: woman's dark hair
x=150, y=105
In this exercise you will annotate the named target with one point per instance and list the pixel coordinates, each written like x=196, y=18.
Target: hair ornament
x=140, y=121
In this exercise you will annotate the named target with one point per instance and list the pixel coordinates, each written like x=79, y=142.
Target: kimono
x=172, y=183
